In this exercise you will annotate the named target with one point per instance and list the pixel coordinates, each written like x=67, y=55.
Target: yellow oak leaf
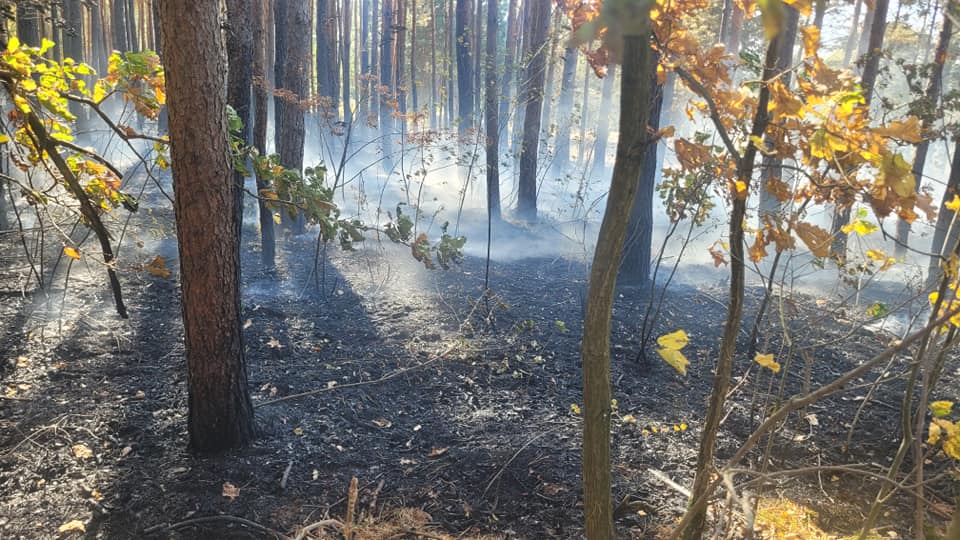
x=70, y=252
x=767, y=361
x=941, y=408
x=907, y=130
x=72, y=526
x=674, y=340
x=675, y=358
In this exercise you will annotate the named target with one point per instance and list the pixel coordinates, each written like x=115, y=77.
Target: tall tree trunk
x=819, y=13
x=509, y=65
x=947, y=222
x=365, y=67
x=464, y=41
x=345, y=61
x=854, y=32
x=118, y=25
x=296, y=75
x=239, y=80
x=73, y=42
x=434, y=99
x=522, y=72
x=260, y=16
x=538, y=24
x=772, y=166
x=280, y=8
x=28, y=24
x=477, y=34
x=561, y=158
x=451, y=56
x=588, y=76
x=386, y=79
x=931, y=101
x=603, y=130
x=131, y=20
x=98, y=40
x=548, y=87
x=400, y=46
x=635, y=265
x=325, y=68
x=415, y=106
x=731, y=329
x=867, y=82
x=434, y=112
x=220, y=411
x=635, y=96
x=375, y=61
x=491, y=109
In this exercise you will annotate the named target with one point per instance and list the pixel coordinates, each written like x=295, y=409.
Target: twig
x=513, y=457
x=662, y=476
x=165, y=527
x=318, y=525
x=286, y=475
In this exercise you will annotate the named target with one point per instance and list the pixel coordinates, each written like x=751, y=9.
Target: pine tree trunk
x=118, y=25
x=400, y=66
x=867, y=82
x=603, y=130
x=947, y=223
x=635, y=264
x=451, y=59
x=296, y=74
x=386, y=79
x=509, y=65
x=345, y=61
x=539, y=24
x=28, y=24
x=434, y=96
x=930, y=107
x=772, y=166
x=561, y=158
x=239, y=79
x=73, y=42
x=280, y=8
x=415, y=106
x=492, y=122
x=133, y=40
x=635, y=96
x=260, y=11
x=464, y=47
x=220, y=411
x=584, y=113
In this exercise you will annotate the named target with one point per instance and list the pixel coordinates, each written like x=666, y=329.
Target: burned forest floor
x=456, y=412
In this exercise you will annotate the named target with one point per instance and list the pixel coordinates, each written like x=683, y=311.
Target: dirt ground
x=453, y=413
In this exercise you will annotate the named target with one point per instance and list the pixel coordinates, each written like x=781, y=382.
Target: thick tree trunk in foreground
x=538, y=24
x=220, y=412
x=635, y=96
